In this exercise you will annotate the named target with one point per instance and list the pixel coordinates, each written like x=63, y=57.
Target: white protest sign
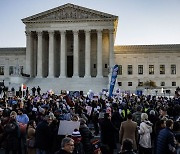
x=67, y=127
x=89, y=110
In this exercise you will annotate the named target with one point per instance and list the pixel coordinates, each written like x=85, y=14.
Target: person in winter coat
x=78, y=147
x=129, y=130
x=86, y=137
x=67, y=146
x=145, y=131
x=166, y=140
x=43, y=136
x=116, y=120
x=108, y=132
x=31, y=129
x=12, y=134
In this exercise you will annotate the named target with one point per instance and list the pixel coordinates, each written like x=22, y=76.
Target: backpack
x=137, y=118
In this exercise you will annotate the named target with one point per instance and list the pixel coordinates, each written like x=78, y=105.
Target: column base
x=99, y=76
x=75, y=76
x=50, y=76
x=39, y=76
x=87, y=76
x=62, y=76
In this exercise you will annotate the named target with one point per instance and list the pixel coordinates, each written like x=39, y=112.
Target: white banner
x=67, y=127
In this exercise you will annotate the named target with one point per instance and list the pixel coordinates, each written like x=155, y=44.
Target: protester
x=137, y=115
x=38, y=90
x=33, y=91
x=22, y=120
x=43, y=136
x=127, y=147
x=145, y=131
x=67, y=107
x=12, y=135
x=166, y=140
x=163, y=113
x=108, y=133
x=129, y=130
x=78, y=146
x=67, y=146
x=86, y=137
x=31, y=130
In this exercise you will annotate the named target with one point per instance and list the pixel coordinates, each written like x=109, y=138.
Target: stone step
x=69, y=84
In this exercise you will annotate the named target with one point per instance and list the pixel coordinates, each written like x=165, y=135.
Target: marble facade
x=73, y=44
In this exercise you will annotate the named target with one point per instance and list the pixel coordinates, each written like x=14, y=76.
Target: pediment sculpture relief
x=71, y=13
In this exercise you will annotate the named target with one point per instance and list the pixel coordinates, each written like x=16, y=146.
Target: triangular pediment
x=69, y=12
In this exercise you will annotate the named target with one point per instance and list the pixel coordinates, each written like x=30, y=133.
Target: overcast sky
x=140, y=21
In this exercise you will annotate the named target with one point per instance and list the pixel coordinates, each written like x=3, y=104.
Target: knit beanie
x=76, y=136
x=76, y=133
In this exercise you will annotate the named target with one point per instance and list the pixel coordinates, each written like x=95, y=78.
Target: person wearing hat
x=78, y=146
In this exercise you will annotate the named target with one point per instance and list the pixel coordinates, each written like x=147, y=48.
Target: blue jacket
x=165, y=141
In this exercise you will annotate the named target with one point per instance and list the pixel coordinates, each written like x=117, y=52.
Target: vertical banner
x=113, y=79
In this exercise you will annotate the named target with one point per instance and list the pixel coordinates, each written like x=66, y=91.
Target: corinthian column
x=51, y=54
x=63, y=55
x=99, y=54
x=76, y=55
x=87, y=54
x=29, y=68
x=111, y=48
x=39, y=60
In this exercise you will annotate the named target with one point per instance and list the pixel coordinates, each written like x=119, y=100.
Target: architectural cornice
x=147, y=48
x=13, y=50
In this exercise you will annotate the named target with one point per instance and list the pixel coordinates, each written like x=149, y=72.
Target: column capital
x=62, y=32
x=99, y=30
x=39, y=33
x=75, y=32
x=51, y=32
x=87, y=31
x=28, y=33
x=111, y=31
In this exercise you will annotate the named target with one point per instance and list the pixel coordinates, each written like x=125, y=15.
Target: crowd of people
x=139, y=124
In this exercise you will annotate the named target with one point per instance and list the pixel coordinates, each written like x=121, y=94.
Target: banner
x=67, y=127
x=113, y=79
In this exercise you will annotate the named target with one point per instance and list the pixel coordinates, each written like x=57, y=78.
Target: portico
x=70, y=41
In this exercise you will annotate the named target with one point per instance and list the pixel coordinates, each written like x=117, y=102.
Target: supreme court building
x=72, y=48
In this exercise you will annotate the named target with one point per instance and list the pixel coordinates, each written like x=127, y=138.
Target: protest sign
x=67, y=127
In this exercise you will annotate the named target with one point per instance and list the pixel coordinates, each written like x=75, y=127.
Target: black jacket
x=86, y=139
x=62, y=152
x=43, y=136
